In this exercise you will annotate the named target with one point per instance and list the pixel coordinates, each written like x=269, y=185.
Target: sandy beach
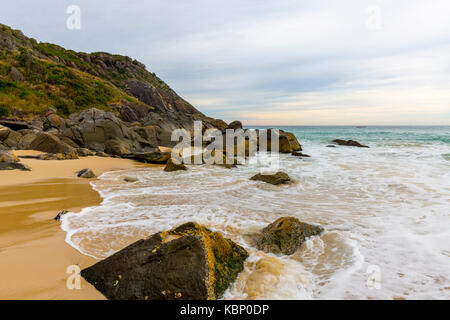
x=33, y=254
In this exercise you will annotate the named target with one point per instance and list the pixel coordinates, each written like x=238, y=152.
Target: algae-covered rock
x=171, y=166
x=286, y=235
x=60, y=214
x=275, y=179
x=73, y=155
x=189, y=262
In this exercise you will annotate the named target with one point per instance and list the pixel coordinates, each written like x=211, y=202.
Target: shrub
x=4, y=111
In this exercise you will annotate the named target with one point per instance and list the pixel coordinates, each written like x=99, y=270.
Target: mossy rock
x=286, y=235
x=275, y=179
x=172, y=166
x=189, y=262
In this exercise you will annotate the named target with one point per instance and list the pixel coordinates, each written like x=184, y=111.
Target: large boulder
x=104, y=132
x=235, y=125
x=349, y=143
x=275, y=179
x=47, y=142
x=286, y=235
x=293, y=142
x=190, y=262
x=287, y=142
x=13, y=139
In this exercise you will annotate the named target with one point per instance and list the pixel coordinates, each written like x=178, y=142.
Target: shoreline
x=33, y=253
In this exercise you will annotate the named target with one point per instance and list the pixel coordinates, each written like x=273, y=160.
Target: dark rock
x=299, y=154
x=59, y=156
x=4, y=132
x=287, y=142
x=186, y=263
x=9, y=161
x=13, y=139
x=155, y=156
x=47, y=142
x=86, y=173
x=48, y=112
x=331, y=146
x=295, y=145
x=275, y=179
x=171, y=166
x=235, y=125
x=27, y=138
x=350, y=143
x=83, y=152
x=14, y=124
x=14, y=166
x=6, y=156
x=130, y=179
x=60, y=214
x=101, y=154
x=286, y=235
x=219, y=124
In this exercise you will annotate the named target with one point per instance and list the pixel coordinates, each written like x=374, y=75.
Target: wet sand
x=33, y=254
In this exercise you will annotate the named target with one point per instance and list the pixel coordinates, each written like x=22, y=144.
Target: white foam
x=387, y=206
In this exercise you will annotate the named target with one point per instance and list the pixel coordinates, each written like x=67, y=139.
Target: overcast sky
x=281, y=62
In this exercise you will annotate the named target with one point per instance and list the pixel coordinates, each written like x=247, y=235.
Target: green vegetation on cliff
x=34, y=76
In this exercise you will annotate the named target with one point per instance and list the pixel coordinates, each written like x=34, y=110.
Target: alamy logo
x=374, y=279
x=74, y=280
x=374, y=21
x=73, y=22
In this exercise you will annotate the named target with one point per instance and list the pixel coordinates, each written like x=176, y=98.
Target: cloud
x=296, y=62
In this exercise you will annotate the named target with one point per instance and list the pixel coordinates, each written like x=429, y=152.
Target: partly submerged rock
x=190, y=262
x=130, y=179
x=275, y=179
x=60, y=214
x=86, y=173
x=286, y=235
x=171, y=166
x=350, y=143
x=299, y=154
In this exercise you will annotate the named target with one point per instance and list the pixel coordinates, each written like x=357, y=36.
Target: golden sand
x=33, y=254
